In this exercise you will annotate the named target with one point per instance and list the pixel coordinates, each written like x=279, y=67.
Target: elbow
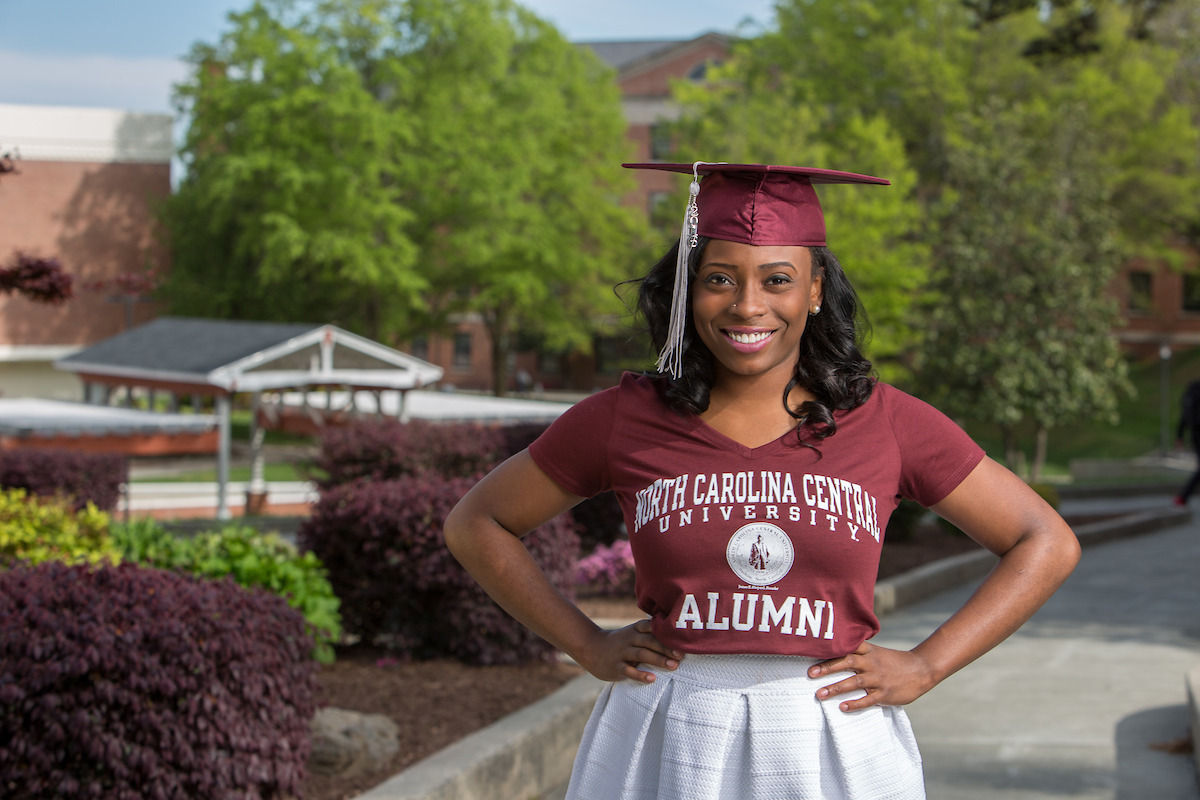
x=1061, y=550
x=455, y=531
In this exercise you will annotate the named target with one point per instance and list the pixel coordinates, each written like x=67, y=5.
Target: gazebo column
x=402, y=407
x=256, y=491
x=224, y=426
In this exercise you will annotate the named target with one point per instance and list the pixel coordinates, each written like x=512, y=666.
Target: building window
x=420, y=348
x=660, y=142
x=1141, y=298
x=1191, y=292
x=699, y=73
x=655, y=202
x=462, y=351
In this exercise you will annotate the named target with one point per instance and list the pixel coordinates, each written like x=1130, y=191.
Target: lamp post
x=1164, y=360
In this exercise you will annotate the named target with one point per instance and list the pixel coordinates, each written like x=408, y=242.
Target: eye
x=718, y=279
x=779, y=279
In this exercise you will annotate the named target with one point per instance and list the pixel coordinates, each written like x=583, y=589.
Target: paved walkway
x=1071, y=704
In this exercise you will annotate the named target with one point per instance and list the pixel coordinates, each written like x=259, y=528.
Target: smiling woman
x=757, y=470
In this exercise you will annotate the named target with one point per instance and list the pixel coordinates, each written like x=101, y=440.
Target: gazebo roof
x=240, y=356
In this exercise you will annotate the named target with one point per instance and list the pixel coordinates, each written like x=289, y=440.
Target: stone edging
x=531, y=751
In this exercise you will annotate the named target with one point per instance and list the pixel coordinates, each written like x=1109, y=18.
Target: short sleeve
x=935, y=453
x=573, y=451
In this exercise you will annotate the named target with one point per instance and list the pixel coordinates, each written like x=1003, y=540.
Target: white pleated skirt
x=742, y=727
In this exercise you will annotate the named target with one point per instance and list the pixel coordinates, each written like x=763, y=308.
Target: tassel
x=670, y=360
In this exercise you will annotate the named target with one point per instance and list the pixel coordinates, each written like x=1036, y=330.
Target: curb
x=919, y=583
x=1192, y=681
x=519, y=756
x=531, y=751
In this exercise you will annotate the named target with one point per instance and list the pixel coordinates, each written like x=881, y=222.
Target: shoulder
x=631, y=393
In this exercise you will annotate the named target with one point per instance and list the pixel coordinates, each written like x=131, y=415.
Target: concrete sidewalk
x=1069, y=707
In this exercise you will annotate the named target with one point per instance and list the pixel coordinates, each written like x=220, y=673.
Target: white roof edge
x=37, y=352
x=239, y=370
x=69, y=133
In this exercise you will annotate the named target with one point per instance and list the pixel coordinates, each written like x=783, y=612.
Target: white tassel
x=670, y=360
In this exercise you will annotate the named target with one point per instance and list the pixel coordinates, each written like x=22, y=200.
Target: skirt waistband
x=748, y=673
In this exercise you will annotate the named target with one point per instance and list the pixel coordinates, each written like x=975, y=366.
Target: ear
x=816, y=292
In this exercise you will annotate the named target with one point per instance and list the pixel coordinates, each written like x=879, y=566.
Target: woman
x=756, y=471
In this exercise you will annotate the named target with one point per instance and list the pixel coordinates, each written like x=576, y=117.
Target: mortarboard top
x=756, y=204
x=761, y=204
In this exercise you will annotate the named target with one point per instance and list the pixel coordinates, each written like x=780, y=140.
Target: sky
x=126, y=54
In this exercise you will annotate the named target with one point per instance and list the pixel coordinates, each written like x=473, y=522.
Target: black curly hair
x=831, y=365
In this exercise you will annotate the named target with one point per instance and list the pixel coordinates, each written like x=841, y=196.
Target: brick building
x=1160, y=305
x=85, y=191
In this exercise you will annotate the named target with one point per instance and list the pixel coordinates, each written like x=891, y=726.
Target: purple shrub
x=608, y=570
x=128, y=683
x=399, y=585
x=385, y=449
x=78, y=477
x=41, y=280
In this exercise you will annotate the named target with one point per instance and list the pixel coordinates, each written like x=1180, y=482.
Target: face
x=750, y=305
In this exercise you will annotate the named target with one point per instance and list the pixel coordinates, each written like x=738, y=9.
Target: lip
x=753, y=339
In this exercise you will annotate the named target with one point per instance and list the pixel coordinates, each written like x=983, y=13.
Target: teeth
x=748, y=338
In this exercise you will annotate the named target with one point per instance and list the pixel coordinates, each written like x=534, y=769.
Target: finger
x=648, y=640
x=854, y=683
x=644, y=655
x=866, y=701
x=639, y=675
x=850, y=662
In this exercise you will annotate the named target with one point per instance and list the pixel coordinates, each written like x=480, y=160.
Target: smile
x=748, y=338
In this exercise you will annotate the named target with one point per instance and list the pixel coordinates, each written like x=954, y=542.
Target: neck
x=750, y=409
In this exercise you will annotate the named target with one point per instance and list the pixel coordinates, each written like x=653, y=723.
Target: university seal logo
x=760, y=553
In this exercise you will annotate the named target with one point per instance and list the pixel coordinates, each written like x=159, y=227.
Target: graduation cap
x=755, y=204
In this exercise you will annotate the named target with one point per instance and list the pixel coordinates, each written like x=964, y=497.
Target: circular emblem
x=760, y=553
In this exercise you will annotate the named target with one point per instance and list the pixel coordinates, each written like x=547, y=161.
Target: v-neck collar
x=703, y=430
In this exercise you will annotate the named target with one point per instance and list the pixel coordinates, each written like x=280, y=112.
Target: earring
x=815, y=310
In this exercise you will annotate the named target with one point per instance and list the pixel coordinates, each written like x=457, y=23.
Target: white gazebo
x=180, y=357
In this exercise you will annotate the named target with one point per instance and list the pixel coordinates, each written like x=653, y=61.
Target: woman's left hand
x=889, y=677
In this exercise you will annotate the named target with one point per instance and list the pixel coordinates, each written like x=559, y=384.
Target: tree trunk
x=1039, y=453
x=498, y=325
x=1011, y=454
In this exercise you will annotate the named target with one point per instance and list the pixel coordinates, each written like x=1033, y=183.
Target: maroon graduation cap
x=756, y=204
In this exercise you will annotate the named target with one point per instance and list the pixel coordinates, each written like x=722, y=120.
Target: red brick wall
x=97, y=219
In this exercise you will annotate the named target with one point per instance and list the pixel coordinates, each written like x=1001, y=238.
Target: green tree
x=1019, y=316
x=388, y=165
x=1029, y=178
x=289, y=207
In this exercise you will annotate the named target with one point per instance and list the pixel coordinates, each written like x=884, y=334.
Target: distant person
x=524, y=382
x=1189, y=419
x=757, y=468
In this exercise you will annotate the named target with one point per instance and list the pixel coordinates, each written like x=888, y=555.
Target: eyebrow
x=768, y=265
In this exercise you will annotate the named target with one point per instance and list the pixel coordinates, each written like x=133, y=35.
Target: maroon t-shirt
x=772, y=549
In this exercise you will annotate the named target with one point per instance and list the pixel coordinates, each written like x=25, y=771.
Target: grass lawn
x=1137, y=433
x=283, y=471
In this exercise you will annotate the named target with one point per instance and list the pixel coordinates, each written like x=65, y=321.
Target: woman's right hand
x=613, y=655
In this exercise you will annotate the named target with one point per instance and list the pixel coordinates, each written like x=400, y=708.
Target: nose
x=748, y=301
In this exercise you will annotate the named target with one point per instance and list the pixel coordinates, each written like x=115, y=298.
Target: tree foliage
x=1023, y=176
x=386, y=165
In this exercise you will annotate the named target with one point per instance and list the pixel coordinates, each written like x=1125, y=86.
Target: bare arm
x=484, y=533
x=1037, y=552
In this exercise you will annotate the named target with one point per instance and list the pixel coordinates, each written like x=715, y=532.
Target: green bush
x=904, y=520
x=252, y=559
x=36, y=530
x=1048, y=492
